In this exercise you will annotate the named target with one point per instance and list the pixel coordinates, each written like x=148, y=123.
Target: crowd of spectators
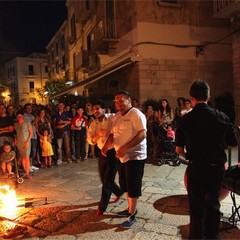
x=65, y=129
x=41, y=136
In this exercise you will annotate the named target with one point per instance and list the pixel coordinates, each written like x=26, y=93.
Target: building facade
x=57, y=53
x=230, y=10
x=23, y=76
x=154, y=49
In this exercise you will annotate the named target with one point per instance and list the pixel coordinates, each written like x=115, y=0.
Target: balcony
x=72, y=39
x=87, y=60
x=226, y=8
x=104, y=36
x=85, y=11
x=83, y=14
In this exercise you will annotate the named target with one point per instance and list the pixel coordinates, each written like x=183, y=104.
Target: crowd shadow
x=178, y=205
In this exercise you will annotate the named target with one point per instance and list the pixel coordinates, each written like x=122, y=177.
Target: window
x=63, y=62
x=13, y=71
x=56, y=49
x=87, y=4
x=73, y=28
x=52, y=56
x=30, y=70
x=31, y=86
x=62, y=42
x=46, y=69
x=89, y=45
x=57, y=66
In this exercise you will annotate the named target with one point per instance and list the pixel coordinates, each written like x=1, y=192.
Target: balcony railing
x=86, y=59
x=85, y=11
x=104, y=35
x=226, y=8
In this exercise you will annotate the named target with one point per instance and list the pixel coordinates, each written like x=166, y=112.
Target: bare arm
x=29, y=136
x=7, y=129
x=107, y=144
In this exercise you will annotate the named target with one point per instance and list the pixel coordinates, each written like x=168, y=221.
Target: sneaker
x=129, y=222
x=59, y=161
x=123, y=213
x=31, y=169
x=42, y=165
x=99, y=212
x=35, y=168
x=116, y=199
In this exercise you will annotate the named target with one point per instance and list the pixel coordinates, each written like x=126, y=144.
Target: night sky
x=28, y=26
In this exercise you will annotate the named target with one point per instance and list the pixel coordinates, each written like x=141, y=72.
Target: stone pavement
x=73, y=190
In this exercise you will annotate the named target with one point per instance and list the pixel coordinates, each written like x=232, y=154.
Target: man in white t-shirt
x=128, y=135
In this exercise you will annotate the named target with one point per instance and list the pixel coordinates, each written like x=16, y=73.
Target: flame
x=8, y=202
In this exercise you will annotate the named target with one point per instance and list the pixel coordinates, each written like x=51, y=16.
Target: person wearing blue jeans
x=62, y=133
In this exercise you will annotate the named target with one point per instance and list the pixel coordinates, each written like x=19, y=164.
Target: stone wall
x=236, y=67
x=172, y=78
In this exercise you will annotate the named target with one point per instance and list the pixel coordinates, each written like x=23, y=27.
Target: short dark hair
x=19, y=112
x=125, y=93
x=99, y=102
x=200, y=90
x=27, y=105
x=7, y=143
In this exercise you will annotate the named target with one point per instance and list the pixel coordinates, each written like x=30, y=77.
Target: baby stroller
x=9, y=163
x=166, y=150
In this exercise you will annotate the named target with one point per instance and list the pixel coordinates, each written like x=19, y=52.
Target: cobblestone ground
x=73, y=191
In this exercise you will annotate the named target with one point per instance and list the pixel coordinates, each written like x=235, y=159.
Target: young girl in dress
x=47, y=151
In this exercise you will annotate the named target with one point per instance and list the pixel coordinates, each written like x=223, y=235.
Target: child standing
x=6, y=158
x=170, y=133
x=47, y=151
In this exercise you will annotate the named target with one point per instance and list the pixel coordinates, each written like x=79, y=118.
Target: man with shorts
x=128, y=136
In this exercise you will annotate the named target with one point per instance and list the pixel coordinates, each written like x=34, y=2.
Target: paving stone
x=73, y=192
x=161, y=228
x=154, y=236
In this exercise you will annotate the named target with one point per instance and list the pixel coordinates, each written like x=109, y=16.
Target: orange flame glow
x=8, y=202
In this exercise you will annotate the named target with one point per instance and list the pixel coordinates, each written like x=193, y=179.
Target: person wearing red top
x=79, y=124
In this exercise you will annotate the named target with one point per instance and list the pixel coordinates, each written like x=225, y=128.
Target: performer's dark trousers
x=204, y=185
x=108, y=167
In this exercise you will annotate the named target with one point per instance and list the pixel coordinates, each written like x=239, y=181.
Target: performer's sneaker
x=99, y=212
x=125, y=213
x=129, y=222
